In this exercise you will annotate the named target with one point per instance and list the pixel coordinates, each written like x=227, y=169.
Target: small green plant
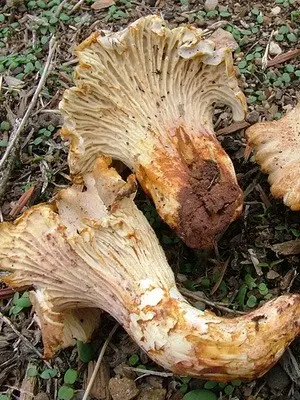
x=48, y=373
x=66, y=392
x=114, y=13
x=133, y=360
x=86, y=351
x=4, y=397
x=200, y=394
x=19, y=303
x=32, y=371
x=43, y=133
x=284, y=33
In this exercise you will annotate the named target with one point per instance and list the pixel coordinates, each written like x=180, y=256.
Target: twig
x=21, y=124
x=194, y=296
x=23, y=338
x=147, y=372
x=6, y=172
x=59, y=8
x=264, y=60
x=223, y=270
x=77, y=5
x=284, y=57
x=97, y=366
x=255, y=262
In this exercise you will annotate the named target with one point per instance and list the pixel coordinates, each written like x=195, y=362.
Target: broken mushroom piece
x=276, y=146
x=60, y=329
x=94, y=248
x=145, y=96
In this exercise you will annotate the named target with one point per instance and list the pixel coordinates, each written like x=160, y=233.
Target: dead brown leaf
x=287, y=248
x=99, y=389
x=100, y=4
x=21, y=203
x=236, y=126
x=28, y=386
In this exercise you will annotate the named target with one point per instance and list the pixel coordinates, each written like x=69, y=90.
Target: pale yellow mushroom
x=276, y=146
x=94, y=248
x=145, y=96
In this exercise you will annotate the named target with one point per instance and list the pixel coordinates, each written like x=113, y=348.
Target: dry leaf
x=236, y=126
x=99, y=388
x=100, y=4
x=28, y=386
x=287, y=248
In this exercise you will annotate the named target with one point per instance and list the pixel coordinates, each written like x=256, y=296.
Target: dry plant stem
x=77, y=5
x=98, y=363
x=23, y=338
x=284, y=57
x=59, y=8
x=149, y=372
x=21, y=125
x=5, y=172
x=265, y=56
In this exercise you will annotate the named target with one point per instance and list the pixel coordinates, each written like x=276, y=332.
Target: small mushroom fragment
x=145, y=96
x=60, y=329
x=276, y=146
x=94, y=248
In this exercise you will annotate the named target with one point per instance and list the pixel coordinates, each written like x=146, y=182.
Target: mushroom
x=276, y=146
x=145, y=96
x=93, y=248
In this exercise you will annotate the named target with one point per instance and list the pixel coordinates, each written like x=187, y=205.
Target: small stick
x=23, y=338
x=147, y=372
x=77, y=5
x=264, y=60
x=59, y=8
x=21, y=124
x=284, y=57
x=194, y=296
x=98, y=363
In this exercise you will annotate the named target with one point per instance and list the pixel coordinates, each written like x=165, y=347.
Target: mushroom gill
x=276, y=146
x=94, y=248
x=145, y=96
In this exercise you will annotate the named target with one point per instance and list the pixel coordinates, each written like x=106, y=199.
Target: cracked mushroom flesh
x=145, y=96
x=94, y=248
x=276, y=146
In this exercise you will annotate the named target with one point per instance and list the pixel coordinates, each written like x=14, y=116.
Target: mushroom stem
x=196, y=343
x=94, y=248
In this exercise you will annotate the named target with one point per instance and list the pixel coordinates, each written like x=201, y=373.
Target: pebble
x=152, y=394
x=252, y=117
x=122, y=388
x=274, y=49
x=275, y=10
x=210, y=5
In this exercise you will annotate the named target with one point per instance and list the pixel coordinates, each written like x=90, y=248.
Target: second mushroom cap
x=145, y=96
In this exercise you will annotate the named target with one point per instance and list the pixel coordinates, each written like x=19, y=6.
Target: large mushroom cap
x=276, y=146
x=94, y=248
x=145, y=96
